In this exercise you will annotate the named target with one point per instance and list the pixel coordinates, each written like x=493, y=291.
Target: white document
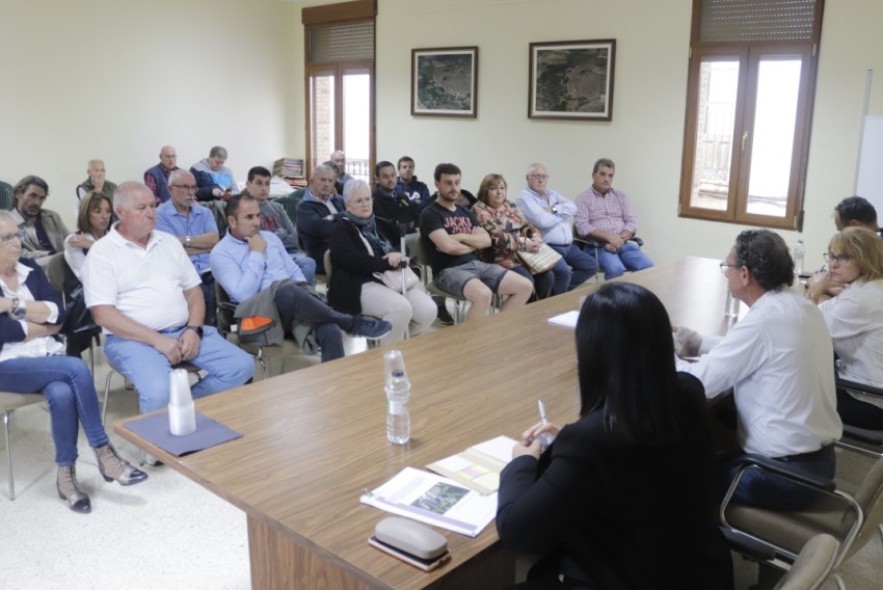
x=566, y=319
x=434, y=500
x=479, y=466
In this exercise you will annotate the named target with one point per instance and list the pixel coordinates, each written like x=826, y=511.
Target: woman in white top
x=32, y=361
x=850, y=297
x=93, y=222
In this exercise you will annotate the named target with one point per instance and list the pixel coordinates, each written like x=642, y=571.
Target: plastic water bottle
x=731, y=307
x=799, y=255
x=398, y=397
x=182, y=414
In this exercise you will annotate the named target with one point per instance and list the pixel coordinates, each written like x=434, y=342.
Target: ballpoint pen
x=545, y=438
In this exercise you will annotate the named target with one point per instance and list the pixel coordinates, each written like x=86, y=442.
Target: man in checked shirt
x=605, y=215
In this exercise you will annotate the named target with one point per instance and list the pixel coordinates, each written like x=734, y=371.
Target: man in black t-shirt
x=452, y=236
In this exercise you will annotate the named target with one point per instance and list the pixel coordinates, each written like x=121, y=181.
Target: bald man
x=157, y=178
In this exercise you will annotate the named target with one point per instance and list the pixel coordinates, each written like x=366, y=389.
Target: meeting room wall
x=118, y=79
x=645, y=137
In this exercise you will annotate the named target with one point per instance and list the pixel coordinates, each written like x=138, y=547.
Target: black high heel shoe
x=112, y=467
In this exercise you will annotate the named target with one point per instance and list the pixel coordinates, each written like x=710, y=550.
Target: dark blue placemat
x=155, y=429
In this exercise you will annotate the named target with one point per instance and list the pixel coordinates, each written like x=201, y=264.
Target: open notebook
x=479, y=466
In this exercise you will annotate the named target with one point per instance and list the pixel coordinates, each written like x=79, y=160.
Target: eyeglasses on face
x=187, y=187
x=13, y=235
x=841, y=258
x=726, y=266
x=540, y=176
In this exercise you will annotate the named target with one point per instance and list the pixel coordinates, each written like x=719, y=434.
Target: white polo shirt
x=145, y=284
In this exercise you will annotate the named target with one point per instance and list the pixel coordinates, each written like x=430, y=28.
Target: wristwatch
x=197, y=329
x=187, y=241
x=17, y=310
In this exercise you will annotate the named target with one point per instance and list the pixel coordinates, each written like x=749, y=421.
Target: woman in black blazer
x=622, y=498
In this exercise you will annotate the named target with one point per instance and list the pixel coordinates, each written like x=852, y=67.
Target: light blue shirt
x=557, y=228
x=199, y=221
x=243, y=273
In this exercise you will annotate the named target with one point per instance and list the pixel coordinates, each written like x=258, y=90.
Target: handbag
x=540, y=261
x=393, y=278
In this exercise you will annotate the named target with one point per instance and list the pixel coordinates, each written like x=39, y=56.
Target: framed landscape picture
x=572, y=80
x=444, y=81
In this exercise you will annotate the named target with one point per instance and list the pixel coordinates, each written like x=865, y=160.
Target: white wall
x=118, y=79
x=646, y=135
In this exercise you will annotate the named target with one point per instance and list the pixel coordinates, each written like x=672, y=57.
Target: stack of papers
x=434, y=500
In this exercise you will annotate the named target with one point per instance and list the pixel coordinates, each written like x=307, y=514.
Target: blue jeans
x=629, y=257
x=148, y=369
x=306, y=264
x=574, y=268
x=68, y=386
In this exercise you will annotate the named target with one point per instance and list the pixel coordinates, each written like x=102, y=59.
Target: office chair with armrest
x=8, y=403
x=228, y=324
x=784, y=533
x=813, y=565
x=860, y=440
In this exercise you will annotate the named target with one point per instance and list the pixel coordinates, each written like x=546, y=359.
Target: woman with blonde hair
x=850, y=297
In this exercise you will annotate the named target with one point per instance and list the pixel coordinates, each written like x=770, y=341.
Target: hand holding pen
x=538, y=437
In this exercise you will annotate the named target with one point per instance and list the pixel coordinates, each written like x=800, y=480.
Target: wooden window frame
x=357, y=11
x=749, y=56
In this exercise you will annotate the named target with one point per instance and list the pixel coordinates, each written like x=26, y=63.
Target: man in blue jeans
x=605, y=215
x=145, y=292
x=553, y=214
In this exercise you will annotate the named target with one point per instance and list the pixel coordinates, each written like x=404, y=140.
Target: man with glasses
x=42, y=230
x=552, y=213
x=778, y=361
x=195, y=228
x=157, y=178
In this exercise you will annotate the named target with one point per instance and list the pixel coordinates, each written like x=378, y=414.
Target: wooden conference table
x=314, y=439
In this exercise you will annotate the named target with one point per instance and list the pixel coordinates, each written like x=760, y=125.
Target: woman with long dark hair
x=623, y=497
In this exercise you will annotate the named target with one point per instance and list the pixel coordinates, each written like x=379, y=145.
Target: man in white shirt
x=779, y=362
x=144, y=291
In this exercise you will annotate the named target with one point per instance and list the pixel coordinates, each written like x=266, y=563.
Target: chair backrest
x=5, y=196
x=327, y=260
x=55, y=271
x=812, y=566
x=226, y=309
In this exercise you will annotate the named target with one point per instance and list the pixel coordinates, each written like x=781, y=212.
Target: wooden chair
x=8, y=403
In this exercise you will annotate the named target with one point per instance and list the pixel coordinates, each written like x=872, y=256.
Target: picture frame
x=572, y=80
x=444, y=82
